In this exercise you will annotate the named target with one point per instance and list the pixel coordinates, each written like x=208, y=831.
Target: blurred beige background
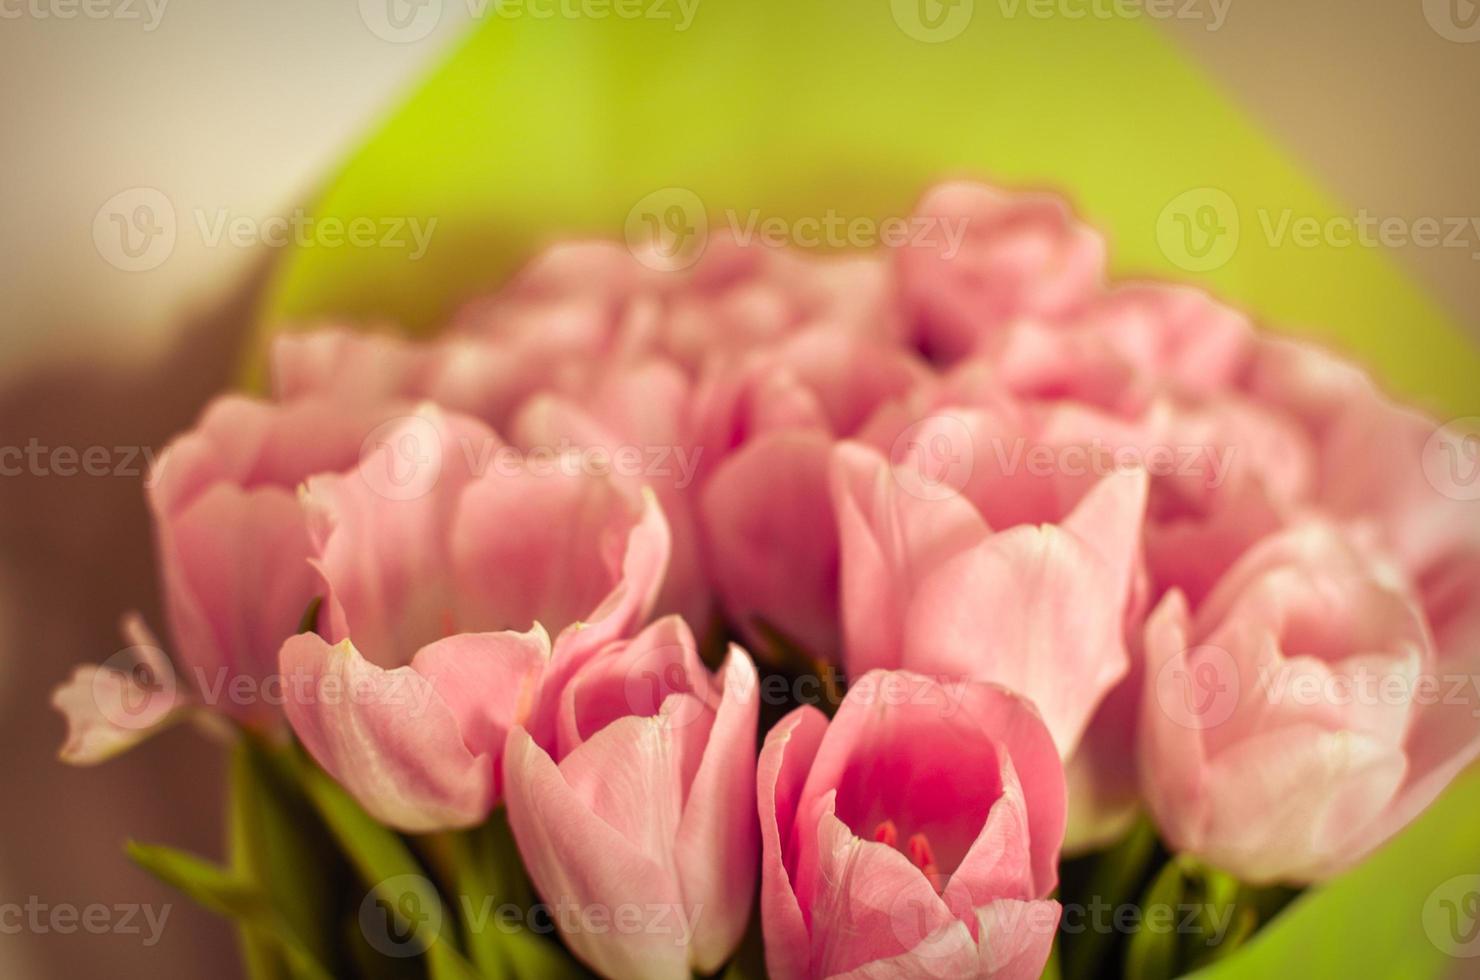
x=241, y=108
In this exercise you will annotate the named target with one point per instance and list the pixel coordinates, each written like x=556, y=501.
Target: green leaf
x=490, y=880
x=278, y=844
x=1117, y=878
x=224, y=893
x=1153, y=954
x=403, y=905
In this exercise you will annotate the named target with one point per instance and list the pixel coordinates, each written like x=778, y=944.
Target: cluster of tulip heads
x=608, y=551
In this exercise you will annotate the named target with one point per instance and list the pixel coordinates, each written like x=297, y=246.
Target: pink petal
x=382, y=536
x=340, y=363
x=640, y=411
x=719, y=839
x=781, y=772
x=490, y=682
x=1023, y=255
x=109, y=709
x=890, y=540
x=1173, y=763
x=237, y=582
x=999, y=862
x=257, y=444
x=386, y=735
x=1031, y=762
x=580, y=861
x=1025, y=609
x=929, y=755
x=631, y=775
x=556, y=548
x=634, y=677
x=641, y=567
x=232, y=539
x=1444, y=738
x=1176, y=332
x=1015, y=938
x=869, y=902
x=1284, y=804
x=772, y=539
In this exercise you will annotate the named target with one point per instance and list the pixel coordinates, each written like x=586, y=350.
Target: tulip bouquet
x=738, y=609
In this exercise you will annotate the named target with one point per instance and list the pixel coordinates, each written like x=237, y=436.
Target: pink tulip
x=766, y=427
x=1023, y=256
x=233, y=541
x=1224, y=472
x=441, y=530
x=1024, y=586
x=1237, y=472
x=915, y=835
x=635, y=817
x=579, y=295
x=417, y=546
x=466, y=375
x=1174, y=333
x=1300, y=716
x=1053, y=364
x=420, y=746
x=742, y=294
x=234, y=552
x=1380, y=466
x=738, y=294
x=637, y=414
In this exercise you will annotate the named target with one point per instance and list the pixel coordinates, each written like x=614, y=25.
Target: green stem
x=1117, y=878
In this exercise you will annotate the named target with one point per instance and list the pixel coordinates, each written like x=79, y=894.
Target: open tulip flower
x=915, y=834
x=437, y=532
x=1042, y=573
